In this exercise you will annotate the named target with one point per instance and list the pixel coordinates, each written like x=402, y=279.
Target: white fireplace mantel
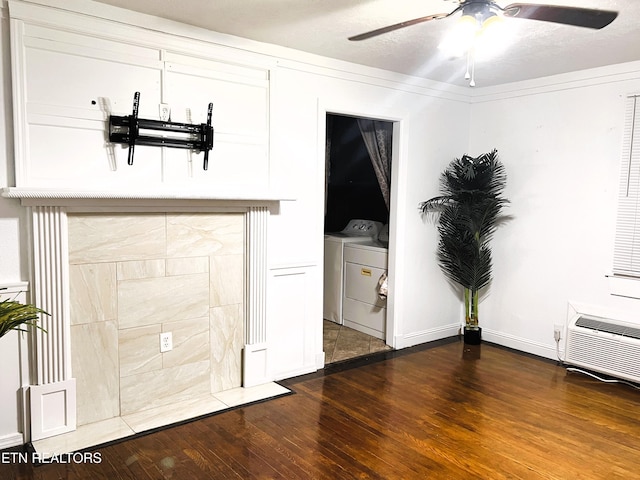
x=51, y=394
x=63, y=196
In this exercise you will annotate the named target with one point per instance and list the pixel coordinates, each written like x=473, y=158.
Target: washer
x=356, y=231
x=363, y=309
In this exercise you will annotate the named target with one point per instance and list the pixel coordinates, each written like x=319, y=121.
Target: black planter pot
x=472, y=336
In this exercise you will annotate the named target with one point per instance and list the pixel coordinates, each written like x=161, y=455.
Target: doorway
x=352, y=189
x=358, y=162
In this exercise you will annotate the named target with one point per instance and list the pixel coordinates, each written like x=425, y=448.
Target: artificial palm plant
x=17, y=316
x=469, y=210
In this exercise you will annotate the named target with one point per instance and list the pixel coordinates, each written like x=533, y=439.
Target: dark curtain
x=327, y=159
x=377, y=137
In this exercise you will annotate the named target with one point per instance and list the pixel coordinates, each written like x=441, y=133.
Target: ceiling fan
x=479, y=15
x=484, y=9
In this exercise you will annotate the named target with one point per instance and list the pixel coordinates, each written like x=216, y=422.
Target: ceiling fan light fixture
x=461, y=37
x=492, y=21
x=481, y=10
x=479, y=31
x=493, y=37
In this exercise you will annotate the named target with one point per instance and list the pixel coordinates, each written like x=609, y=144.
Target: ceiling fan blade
x=579, y=17
x=397, y=26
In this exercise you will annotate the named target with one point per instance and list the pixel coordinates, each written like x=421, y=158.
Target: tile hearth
x=117, y=428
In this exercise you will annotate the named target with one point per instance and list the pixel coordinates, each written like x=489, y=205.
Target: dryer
x=363, y=308
x=356, y=231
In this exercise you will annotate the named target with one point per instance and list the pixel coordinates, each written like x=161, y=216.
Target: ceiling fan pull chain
x=471, y=59
x=472, y=82
x=467, y=75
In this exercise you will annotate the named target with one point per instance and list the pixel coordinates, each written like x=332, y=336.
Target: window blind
x=626, y=258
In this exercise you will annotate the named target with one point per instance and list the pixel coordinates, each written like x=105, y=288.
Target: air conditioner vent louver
x=602, y=325
x=604, y=345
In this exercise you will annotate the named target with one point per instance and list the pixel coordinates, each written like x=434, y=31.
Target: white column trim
x=255, y=371
x=52, y=396
x=256, y=274
x=51, y=293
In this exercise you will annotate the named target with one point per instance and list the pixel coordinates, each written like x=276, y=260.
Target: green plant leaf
x=15, y=316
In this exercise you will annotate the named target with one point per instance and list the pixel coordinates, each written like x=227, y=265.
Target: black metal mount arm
x=133, y=131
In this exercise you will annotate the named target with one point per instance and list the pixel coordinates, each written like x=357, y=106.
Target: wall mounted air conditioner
x=603, y=345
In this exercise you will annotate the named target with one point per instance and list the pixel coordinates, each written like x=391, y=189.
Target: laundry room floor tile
x=343, y=343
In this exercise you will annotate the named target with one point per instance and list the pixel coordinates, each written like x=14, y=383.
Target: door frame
x=397, y=206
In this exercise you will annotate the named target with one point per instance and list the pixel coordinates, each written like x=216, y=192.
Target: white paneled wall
x=96, y=76
x=295, y=342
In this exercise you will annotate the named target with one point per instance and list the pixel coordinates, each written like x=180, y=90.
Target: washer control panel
x=362, y=228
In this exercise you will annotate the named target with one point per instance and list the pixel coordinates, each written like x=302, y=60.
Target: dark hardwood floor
x=435, y=413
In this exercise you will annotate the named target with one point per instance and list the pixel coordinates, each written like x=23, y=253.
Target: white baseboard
x=505, y=340
x=521, y=344
x=11, y=440
x=405, y=341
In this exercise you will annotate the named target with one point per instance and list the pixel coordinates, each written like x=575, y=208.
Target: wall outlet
x=557, y=332
x=165, y=112
x=166, y=342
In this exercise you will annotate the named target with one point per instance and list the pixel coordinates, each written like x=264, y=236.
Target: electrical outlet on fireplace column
x=166, y=342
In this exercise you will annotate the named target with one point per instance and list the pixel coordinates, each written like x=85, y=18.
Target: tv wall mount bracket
x=131, y=130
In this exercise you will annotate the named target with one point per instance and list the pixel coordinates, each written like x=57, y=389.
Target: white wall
x=13, y=256
x=560, y=139
x=432, y=130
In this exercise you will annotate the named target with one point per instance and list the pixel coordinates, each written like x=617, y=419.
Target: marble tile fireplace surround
x=117, y=271
x=135, y=275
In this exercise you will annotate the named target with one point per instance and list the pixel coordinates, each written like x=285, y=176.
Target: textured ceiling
x=534, y=49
